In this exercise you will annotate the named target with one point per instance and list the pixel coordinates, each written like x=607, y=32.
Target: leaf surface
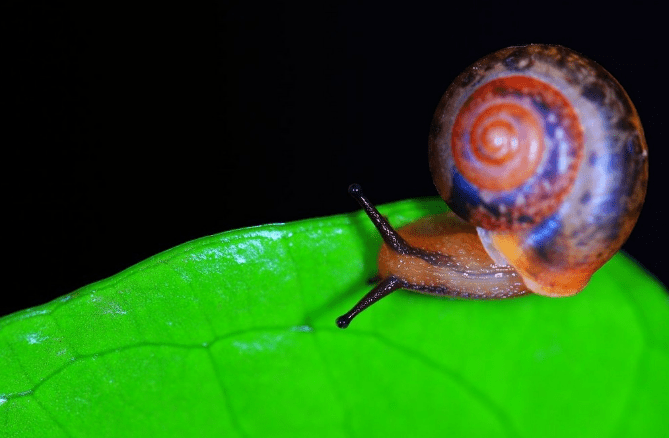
x=234, y=335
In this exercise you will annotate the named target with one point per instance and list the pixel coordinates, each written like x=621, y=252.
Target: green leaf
x=234, y=335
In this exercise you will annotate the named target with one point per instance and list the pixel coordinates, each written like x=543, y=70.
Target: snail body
x=541, y=154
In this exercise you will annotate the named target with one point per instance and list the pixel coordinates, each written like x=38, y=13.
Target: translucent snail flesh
x=541, y=155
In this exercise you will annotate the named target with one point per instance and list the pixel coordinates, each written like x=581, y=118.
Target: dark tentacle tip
x=343, y=321
x=354, y=189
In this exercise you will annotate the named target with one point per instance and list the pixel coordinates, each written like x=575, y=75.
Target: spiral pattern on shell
x=543, y=150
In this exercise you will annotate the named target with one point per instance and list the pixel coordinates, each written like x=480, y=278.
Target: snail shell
x=541, y=154
x=543, y=151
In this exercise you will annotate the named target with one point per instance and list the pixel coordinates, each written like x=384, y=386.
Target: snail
x=541, y=157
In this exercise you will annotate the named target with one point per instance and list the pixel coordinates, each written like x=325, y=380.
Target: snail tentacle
x=437, y=255
x=383, y=289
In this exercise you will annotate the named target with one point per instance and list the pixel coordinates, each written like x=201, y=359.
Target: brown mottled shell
x=543, y=151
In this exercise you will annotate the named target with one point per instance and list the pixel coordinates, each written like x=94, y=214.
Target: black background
x=133, y=129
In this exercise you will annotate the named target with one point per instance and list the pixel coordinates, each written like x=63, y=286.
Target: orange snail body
x=542, y=153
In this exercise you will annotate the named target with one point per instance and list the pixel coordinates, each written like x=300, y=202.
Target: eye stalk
x=428, y=256
x=392, y=239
